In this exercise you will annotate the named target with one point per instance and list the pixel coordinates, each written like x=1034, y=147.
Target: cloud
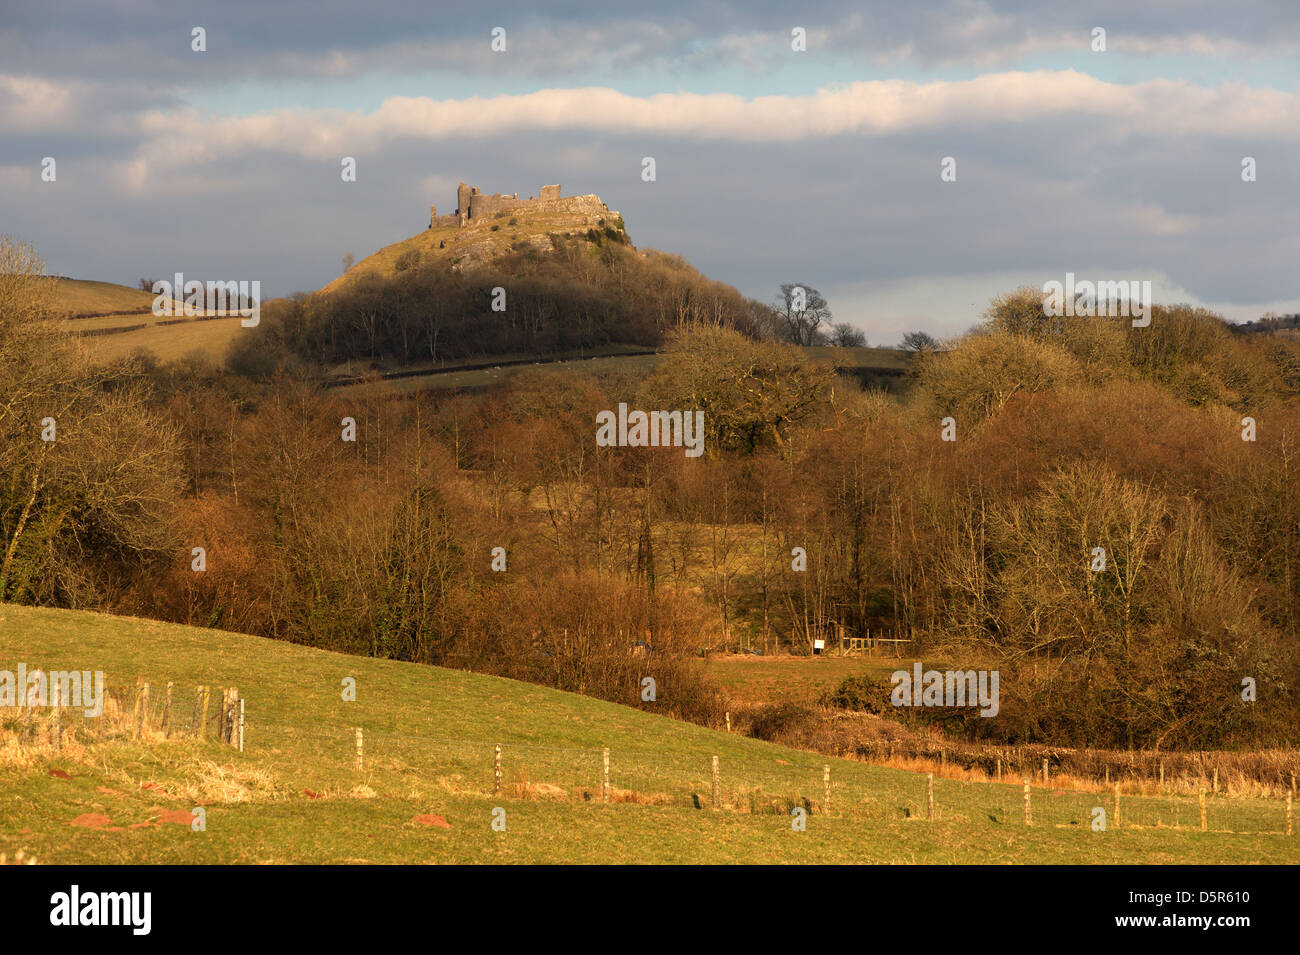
x=768, y=170
x=181, y=137
x=149, y=39
x=32, y=103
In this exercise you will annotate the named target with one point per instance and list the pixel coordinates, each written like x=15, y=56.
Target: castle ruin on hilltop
x=473, y=207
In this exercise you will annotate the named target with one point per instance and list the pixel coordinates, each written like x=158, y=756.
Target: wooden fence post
x=56, y=716
x=241, y=724
x=26, y=713
x=826, y=790
x=929, y=796
x=1116, y=805
x=137, y=716
x=361, y=757
x=498, y=778
x=142, y=724
x=1288, y=813
x=604, y=779
x=1029, y=812
x=201, y=711
x=717, y=786
x=1202, y=801
x=221, y=714
x=167, y=712
x=728, y=721
x=232, y=734
x=1044, y=770
x=1162, y=774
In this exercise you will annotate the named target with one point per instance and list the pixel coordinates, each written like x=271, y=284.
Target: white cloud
x=183, y=137
x=31, y=103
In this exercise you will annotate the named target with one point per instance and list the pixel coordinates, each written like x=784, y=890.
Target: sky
x=821, y=166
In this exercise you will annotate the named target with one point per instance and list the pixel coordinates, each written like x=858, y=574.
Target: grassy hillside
x=168, y=339
x=756, y=680
x=295, y=794
x=889, y=365
x=81, y=297
x=116, y=321
x=634, y=366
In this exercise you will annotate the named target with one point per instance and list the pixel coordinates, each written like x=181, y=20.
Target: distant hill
x=118, y=320
x=82, y=298
x=473, y=246
x=528, y=278
x=1288, y=325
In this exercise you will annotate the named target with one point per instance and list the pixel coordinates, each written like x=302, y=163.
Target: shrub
x=774, y=721
x=860, y=693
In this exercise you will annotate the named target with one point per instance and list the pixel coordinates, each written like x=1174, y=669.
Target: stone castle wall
x=474, y=207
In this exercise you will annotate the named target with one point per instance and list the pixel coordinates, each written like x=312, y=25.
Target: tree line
x=1098, y=530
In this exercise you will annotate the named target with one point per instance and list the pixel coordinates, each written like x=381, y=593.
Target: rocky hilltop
x=486, y=227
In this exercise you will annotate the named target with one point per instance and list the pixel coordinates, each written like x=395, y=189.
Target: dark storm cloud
x=301, y=38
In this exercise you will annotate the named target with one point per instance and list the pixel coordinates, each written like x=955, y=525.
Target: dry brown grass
x=528, y=789
x=639, y=798
x=207, y=782
x=27, y=733
x=1264, y=774
x=1269, y=773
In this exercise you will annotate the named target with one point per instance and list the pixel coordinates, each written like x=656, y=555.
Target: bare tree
x=919, y=342
x=845, y=335
x=803, y=311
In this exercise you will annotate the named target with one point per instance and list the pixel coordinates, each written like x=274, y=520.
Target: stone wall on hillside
x=473, y=207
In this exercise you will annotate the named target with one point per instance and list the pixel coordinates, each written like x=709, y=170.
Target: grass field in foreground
x=295, y=795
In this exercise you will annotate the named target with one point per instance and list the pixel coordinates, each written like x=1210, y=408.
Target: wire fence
x=767, y=779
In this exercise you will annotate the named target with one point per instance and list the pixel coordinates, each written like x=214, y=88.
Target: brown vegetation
x=1072, y=436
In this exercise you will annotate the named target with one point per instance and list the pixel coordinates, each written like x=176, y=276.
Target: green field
x=865, y=357
x=886, y=361
x=754, y=680
x=295, y=794
x=633, y=366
